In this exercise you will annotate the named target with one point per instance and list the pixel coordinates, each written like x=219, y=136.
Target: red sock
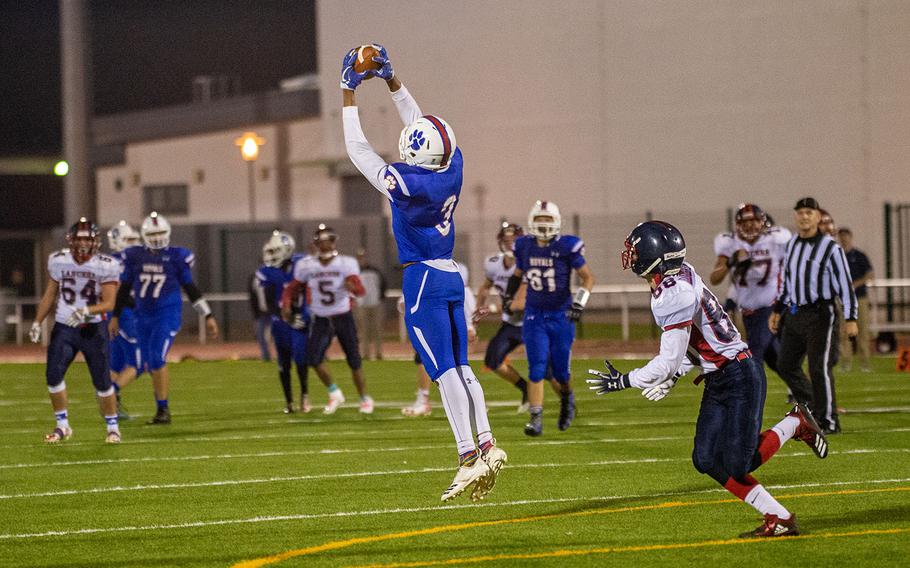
x=768, y=444
x=741, y=489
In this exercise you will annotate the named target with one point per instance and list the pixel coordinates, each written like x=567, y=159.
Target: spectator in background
x=261, y=318
x=861, y=272
x=827, y=225
x=369, y=310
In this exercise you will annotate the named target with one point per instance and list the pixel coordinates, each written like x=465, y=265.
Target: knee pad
x=106, y=393
x=61, y=386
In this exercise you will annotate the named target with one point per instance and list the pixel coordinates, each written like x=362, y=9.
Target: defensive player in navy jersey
x=125, y=355
x=423, y=191
x=729, y=443
x=83, y=284
x=544, y=262
x=155, y=274
x=277, y=270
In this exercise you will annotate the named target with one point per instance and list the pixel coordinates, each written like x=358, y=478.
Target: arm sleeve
x=406, y=105
x=192, y=291
x=470, y=304
x=123, y=299
x=365, y=159
x=672, y=358
x=260, y=286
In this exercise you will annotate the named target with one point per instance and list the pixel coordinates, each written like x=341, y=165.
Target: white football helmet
x=278, y=248
x=156, y=231
x=428, y=142
x=544, y=230
x=122, y=236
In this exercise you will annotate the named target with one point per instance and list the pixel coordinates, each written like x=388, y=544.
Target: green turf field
x=233, y=479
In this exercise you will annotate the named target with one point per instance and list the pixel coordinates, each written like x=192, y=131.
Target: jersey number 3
x=447, y=208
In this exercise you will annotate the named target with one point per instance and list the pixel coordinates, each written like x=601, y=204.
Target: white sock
x=765, y=504
x=63, y=421
x=112, y=425
x=478, y=405
x=423, y=396
x=786, y=428
x=457, y=406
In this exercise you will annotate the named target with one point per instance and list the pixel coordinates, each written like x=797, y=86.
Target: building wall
x=675, y=108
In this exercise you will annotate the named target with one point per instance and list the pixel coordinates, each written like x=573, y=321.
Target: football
x=365, y=55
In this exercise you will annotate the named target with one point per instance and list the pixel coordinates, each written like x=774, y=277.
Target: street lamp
x=249, y=144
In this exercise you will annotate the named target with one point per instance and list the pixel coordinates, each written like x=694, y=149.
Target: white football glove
x=34, y=332
x=78, y=317
x=658, y=392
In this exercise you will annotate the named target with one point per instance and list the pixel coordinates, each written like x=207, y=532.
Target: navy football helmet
x=654, y=247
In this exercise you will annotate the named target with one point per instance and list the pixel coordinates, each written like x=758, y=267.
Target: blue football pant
x=548, y=337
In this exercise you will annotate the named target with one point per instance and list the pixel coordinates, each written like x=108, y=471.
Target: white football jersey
x=325, y=283
x=496, y=272
x=80, y=284
x=759, y=285
x=684, y=300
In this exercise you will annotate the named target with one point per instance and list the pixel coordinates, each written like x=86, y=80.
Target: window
x=167, y=199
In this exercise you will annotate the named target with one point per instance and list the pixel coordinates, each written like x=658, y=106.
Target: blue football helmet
x=654, y=247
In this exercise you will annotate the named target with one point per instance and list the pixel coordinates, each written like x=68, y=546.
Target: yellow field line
x=645, y=548
x=338, y=544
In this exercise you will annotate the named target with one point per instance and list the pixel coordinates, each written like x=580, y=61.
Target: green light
x=61, y=168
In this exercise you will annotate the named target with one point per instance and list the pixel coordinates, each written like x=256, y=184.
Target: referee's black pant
x=811, y=332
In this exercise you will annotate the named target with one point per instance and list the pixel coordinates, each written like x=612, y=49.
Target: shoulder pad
x=673, y=295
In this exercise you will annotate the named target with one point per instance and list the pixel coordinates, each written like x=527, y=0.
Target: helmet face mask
x=325, y=238
x=654, y=248
x=428, y=142
x=156, y=231
x=84, y=240
x=506, y=237
x=278, y=249
x=751, y=222
x=544, y=220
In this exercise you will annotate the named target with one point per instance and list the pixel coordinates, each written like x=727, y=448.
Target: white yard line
x=334, y=476
x=407, y=510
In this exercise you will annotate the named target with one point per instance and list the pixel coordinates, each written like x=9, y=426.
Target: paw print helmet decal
x=428, y=142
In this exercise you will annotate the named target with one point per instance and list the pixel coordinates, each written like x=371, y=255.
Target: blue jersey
x=423, y=202
x=273, y=279
x=548, y=270
x=156, y=277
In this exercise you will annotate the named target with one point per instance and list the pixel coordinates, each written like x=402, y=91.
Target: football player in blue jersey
x=155, y=274
x=423, y=190
x=544, y=261
x=125, y=355
x=277, y=270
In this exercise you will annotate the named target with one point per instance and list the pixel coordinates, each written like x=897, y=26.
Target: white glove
x=78, y=317
x=34, y=333
x=658, y=392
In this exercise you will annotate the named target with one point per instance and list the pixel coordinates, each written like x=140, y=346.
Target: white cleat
x=112, y=437
x=494, y=457
x=305, y=406
x=336, y=399
x=418, y=409
x=367, y=405
x=465, y=477
x=58, y=435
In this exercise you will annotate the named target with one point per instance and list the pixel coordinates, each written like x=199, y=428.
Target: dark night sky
x=145, y=54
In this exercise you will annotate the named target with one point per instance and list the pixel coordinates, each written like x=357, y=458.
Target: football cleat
x=305, y=405
x=774, y=526
x=535, y=426
x=336, y=399
x=162, y=416
x=494, y=457
x=288, y=408
x=566, y=411
x=112, y=437
x=524, y=406
x=366, y=405
x=809, y=431
x=418, y=409
x=58, y=435
x=465, y=477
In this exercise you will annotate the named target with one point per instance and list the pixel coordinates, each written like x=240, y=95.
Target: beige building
x=615, y=110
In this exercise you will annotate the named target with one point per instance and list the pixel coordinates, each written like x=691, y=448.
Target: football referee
x=814, y=274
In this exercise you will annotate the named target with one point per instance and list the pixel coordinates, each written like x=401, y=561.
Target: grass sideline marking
x=378, y=473
x=400, y=510
x=339, y=544
x=642, y=548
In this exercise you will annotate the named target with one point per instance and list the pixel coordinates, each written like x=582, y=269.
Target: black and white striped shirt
x=816, y=269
